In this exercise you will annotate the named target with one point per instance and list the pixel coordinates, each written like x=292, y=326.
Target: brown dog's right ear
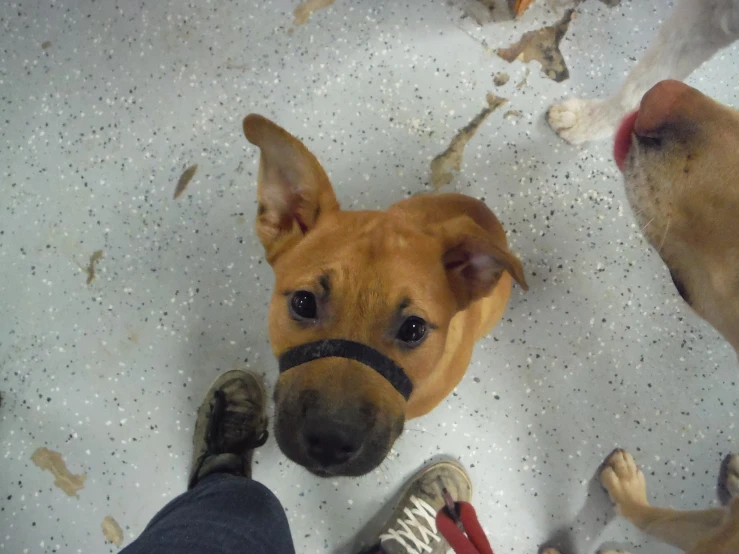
x=293, y=190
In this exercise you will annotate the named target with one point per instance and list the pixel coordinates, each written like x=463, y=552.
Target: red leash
x=457, y=522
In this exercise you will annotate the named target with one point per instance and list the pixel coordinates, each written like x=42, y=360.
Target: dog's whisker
x=638, y=211
x=384, y=468
x=664, y=236
x=646, y=225
x=417, y=431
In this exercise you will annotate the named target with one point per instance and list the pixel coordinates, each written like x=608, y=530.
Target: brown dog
x=374, y=313
x=680, y=158
x=679, y=154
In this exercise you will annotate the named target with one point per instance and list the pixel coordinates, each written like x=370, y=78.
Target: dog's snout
x=332, y=425
x=660, y=107
x=330, y=443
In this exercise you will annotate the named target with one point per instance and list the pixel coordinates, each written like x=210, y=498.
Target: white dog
x=695, y=31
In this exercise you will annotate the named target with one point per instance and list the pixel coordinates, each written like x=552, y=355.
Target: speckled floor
x=102, y=107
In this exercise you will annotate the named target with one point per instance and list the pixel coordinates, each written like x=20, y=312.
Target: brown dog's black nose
x=330, y=443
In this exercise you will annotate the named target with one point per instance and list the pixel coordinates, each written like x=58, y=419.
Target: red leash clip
x=457, y=522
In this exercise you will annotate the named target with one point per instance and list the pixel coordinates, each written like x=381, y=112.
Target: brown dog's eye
x=303, y=305
x=413, y=331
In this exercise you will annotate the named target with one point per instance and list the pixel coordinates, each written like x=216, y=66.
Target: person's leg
x=224, y=511
x=223, y=514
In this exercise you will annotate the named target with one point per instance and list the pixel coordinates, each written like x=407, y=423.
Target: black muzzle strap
x=340, y=348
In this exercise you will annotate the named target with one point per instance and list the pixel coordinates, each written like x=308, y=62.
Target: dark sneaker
x=411, y=528
x=231, y=423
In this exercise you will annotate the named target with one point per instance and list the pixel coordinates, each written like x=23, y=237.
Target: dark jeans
x=222, y=514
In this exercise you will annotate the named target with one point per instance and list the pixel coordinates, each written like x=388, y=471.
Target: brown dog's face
x=382, y=279
x=680, y=158
x=356, y=276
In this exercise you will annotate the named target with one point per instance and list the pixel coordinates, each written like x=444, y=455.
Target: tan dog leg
x=628, y=490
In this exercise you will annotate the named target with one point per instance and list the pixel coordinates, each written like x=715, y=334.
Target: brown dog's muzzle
x=336, y=410
x=341, y=348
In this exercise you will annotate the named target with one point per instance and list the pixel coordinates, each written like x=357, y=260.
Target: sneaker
x=411, y=528
x=231, y=423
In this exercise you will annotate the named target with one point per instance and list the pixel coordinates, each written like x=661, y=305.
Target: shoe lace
x=426, y=527
x=215, y=422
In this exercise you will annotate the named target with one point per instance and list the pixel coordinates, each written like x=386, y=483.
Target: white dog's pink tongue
x=623, y=139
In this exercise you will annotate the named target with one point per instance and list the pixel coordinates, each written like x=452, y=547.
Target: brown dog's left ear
x=293, y=189
x=473, y=262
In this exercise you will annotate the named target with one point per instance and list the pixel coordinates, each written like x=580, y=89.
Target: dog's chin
x=365, y=462
x=337, y=471
x=321, y=472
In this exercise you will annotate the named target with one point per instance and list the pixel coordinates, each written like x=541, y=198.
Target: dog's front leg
x=628, y=490
x=694, y=32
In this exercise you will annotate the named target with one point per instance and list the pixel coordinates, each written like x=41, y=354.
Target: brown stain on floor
x=46, y=45
x=184, y=180
x=90, y=269
x=52, y=461
x=525, y=81
x=112, y=531
x=500, y=79
x=303, y=12
x=543, y=46
x=451, y=158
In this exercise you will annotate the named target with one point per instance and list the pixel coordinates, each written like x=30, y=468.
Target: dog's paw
x=732, y=476
x=550, y=551
x=579, y=121
x=623, y=480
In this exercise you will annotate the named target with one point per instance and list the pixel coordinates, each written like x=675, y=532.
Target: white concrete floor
x=102, y=106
